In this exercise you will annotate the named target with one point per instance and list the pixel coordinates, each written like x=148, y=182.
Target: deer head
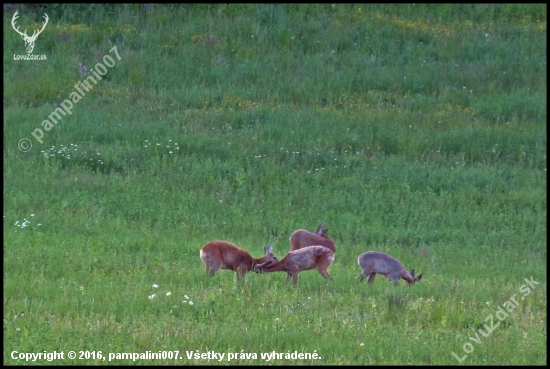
x=29, y=41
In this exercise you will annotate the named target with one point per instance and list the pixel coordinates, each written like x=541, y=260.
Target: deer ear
x=419, y=277
x=321, y=230
x=268, y=249
x=412, y=273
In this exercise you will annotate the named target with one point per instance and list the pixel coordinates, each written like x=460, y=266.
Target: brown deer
x=302, y=238
x=373, y=262
x=310, y=257
x=225, y=255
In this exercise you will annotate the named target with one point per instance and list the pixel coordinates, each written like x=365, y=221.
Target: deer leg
x=240, y=273
x=211, y=270
x=371, y=277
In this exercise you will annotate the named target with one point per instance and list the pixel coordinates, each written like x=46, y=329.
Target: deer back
x=303, y=238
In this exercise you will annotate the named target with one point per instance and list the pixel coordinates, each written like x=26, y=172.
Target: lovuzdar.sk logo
x=29, y=40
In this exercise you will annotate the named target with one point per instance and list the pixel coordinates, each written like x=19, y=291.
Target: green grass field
x=415, y=130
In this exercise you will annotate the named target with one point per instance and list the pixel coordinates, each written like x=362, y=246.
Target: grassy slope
x=415, y=130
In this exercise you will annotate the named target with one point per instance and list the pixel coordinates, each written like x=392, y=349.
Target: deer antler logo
x=29, y=41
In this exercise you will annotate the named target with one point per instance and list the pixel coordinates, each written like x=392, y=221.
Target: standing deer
x=302, y=238
x=310, y=257
x=373, y=262
x=29, y=40
x=225, y=255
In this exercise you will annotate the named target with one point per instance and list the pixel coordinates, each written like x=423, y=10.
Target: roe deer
x=310, y=257
x=225, y=255
x=373, y=262
x=302, y=238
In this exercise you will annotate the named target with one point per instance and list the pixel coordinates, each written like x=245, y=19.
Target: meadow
x=416, y=130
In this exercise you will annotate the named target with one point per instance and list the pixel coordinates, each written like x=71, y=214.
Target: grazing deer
x=302, y=238
x=310, y=257
x=225, y=255
x=373, y=262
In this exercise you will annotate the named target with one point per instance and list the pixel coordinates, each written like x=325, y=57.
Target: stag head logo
x=29, y=41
